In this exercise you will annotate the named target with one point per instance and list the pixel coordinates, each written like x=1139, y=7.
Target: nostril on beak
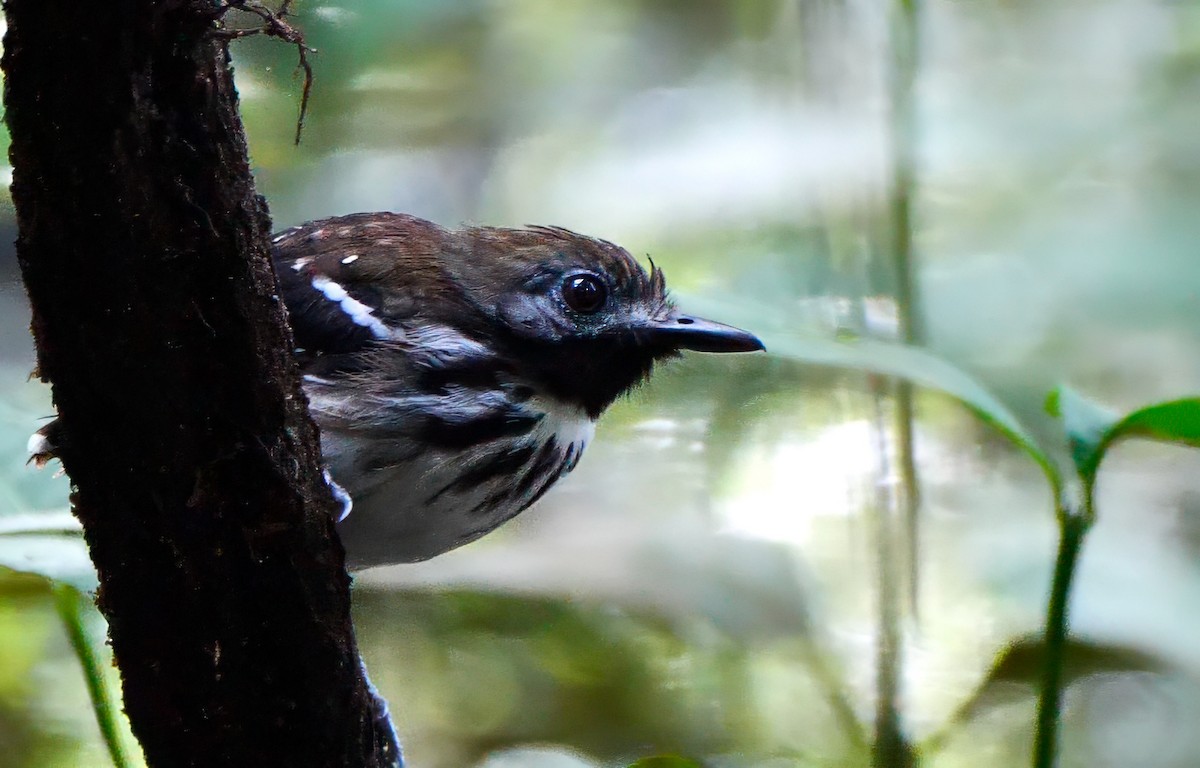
x=700, y=335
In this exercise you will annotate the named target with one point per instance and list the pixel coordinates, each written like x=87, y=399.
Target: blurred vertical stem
x=1073, y=527
x=73, y=607
x=905, y=57
x=890, y=748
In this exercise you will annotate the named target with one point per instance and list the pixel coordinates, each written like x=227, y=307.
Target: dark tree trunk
x=195, y=465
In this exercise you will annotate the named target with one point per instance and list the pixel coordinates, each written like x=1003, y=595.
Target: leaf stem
x=72, y=607
x=1073, y=527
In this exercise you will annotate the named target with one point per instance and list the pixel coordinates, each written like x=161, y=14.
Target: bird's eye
x=584, y=293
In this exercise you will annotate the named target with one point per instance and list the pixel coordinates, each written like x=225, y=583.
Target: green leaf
x=49, y=545
x=73, y=608
x=1092, y=430
x=910, y=363
x=1174, y=421
x=665, y=761
x=923, y=369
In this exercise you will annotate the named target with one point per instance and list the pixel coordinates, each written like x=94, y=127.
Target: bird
x=456, y=375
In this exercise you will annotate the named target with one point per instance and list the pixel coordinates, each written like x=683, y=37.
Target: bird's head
x=581, y=314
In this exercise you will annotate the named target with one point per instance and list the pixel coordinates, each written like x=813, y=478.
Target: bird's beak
x=679, y=331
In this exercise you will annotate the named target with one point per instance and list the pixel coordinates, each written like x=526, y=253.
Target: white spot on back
x=300, y=264
x=358, y=312
x=350, y=259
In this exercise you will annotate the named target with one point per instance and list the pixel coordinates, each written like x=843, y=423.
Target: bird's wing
x=330, y=314
x=362, y=284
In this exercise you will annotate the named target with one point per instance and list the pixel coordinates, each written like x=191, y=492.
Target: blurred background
x=713, y=579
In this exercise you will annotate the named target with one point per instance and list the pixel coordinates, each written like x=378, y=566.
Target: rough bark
x=195, y=465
